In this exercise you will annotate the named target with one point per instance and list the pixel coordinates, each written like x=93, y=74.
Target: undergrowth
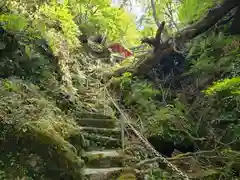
x=204, y=112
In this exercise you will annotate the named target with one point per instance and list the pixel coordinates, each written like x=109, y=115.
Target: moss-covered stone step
x=105, y=159
x=90, y=142
x=95, y=141
x=80, y=114
x=115, y=133
x=115, y=173
x=128, y=174
x=99, y=123
x=100, y=173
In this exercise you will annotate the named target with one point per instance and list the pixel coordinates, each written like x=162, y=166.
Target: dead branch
x=169, y=13
x=155, y=14
x=206, y=154
x=156, y=41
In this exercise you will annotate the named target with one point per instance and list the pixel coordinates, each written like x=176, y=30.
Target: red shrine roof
x=117, y=47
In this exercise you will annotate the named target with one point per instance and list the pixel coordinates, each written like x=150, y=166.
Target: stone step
x=115, y=133
x=80, y=114
x=105, y=158
x=114, y=173
x=129, y=174
x=100, y=173
x=95, y=141
x=98, y=123
x=90, y=142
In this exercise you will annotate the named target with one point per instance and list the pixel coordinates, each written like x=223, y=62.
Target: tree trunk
x=212, y=17
x=186, y=34
x=235, y=26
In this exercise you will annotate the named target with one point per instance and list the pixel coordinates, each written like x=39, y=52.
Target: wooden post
x=122, y=132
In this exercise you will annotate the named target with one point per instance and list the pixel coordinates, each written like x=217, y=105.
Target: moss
x=126, y=174
x=21, y=164
x=125, y=63
x=63, y=152
x=28, y=62
x=30, y=121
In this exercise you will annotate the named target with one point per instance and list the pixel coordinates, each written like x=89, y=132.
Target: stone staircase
x=104, y=159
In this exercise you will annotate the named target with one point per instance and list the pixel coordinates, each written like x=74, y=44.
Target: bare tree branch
x=207, y=154
x=155, y=14
x=169, y=13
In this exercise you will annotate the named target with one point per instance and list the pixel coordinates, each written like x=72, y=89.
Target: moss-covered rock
x=32, y=124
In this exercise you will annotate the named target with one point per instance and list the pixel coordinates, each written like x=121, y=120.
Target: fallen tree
x=162, y=49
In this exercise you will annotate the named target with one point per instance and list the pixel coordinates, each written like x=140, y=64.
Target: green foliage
x=133, y=89
x=229, y=86
x=172, y=123
x=60, y=18
x=156, y=174
x=125, y=80
x=148, y=20
x=99, y=17
x=168, y=121
x=213, y=57
x=214, y=54
x=192, y=10
x=50, y=21
x=150, y=27
x=12, y=167
x=225, y=97
x=27, y=62
x=58, y=22
x=13, y=22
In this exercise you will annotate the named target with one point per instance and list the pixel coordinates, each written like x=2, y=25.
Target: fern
x=231, y=86
x=191, y=10
x=214, y=53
